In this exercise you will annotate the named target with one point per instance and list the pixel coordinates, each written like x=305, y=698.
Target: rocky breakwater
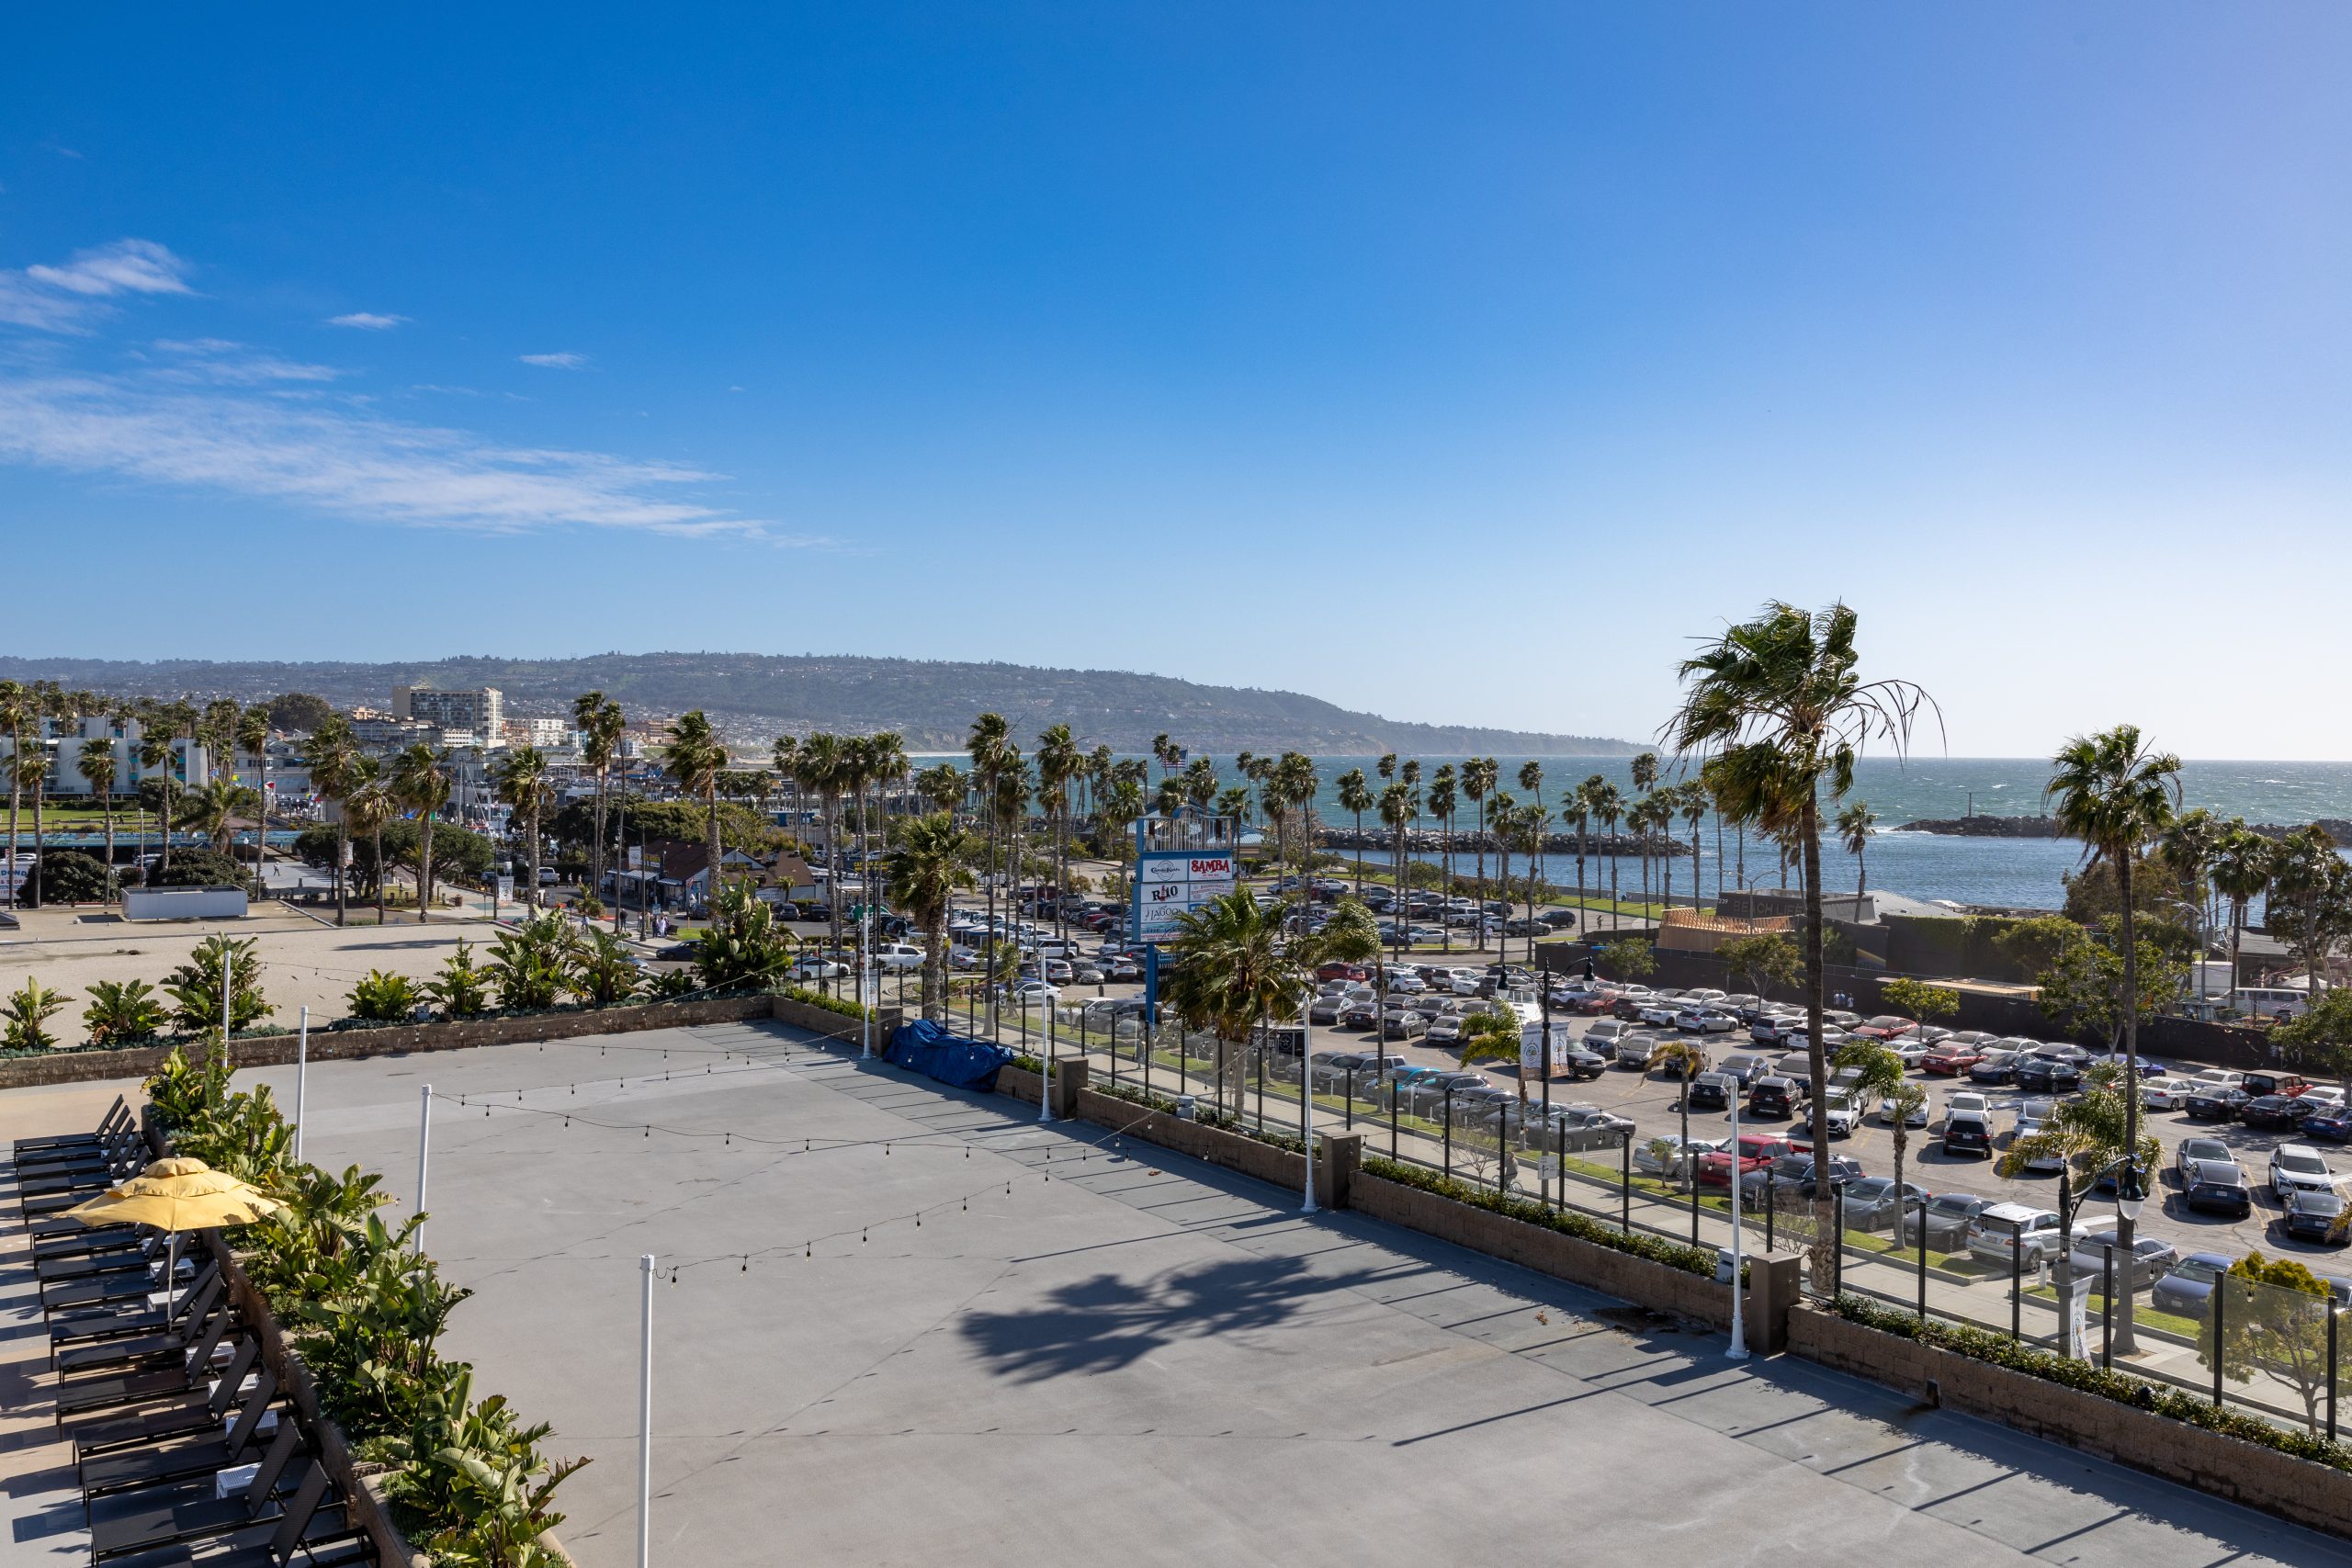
x=1988, y=827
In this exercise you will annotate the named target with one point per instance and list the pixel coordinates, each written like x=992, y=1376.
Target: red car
x=1756, y=1151
x=1950, y=1059
x=1886, y=1026
x=1344, y=971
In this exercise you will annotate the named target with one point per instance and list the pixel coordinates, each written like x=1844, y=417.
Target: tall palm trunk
x=597, y=850
x=15, y=794
x=1583, y=827
x=342, y=866
x=380, y=916
x=710, y=898
x=1359, y=854
x=40, y=790
x=1444, y=917
x=105, y=809
x=535, y=853
x=424, y=865
x=1825, y=1213
x=2124, y=1227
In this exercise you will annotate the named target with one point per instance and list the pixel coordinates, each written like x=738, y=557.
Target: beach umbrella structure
x=176, y=1195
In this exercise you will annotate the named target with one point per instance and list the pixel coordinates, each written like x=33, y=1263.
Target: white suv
x=2297, y=1167
x=2006, y=1228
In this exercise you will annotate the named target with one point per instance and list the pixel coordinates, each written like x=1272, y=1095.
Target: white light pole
x=645, y=1421
x=1738, y=1351
x=1305, y=1108
x=302, y=1079
x=865, y=959
x=423, y=1159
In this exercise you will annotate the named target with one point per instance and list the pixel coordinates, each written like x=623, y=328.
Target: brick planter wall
x=2313, y=1494
x=1620, y=1274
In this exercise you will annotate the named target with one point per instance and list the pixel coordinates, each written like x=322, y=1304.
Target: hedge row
x=1999, y=1349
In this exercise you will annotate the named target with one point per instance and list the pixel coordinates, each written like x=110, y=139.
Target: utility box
x=183, y=903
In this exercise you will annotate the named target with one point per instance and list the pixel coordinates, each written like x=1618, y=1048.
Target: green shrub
x=461, y=987
x=1567, y=1221
x=24, y=1019
x=123, y=1012
x=65, y=876
x=196, y=986
x=1999, y=1349
x=384, y=997
x=603, y=973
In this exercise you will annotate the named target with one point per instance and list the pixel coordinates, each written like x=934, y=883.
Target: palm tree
x=1442, y=807
x=214, y=810
x=252, y=735
x=1294, y=782
x=1011, y=806
x=1058, y=762
x=944, y=785
x=1688, y=1061
x=1397, y=809
x=694, y=759
x=987, y=745
x=1777, y=703
x=2187, y=848
x=95, y=765
x=1644, y=772
x=2310, y=888
x=333, y=758
x=367, y=806
x=420, y=782
x=1355, y=795
x=1532, y=824
x=15, y=712
x=2116, y=796
x=600, y=724
x=1608, y=805
x=1478, y=776
x=1692, y=800
x=924, y=873
x=1531, y=779
x=2242, y=862
x=1580, y=807
x=2089, y=1133
x=522, y=786
x=1166, y=751
x=1880, y=1076
x=29, y=770
x=1232, y=974
x=1857, y=825
x=1121, y=806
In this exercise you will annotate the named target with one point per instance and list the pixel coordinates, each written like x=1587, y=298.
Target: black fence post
x=1396, y=1098
x=2107, y=1311
x=1772, y=1203
x=1449, y=1132
x=1837, y=1238
x=1261, y=1082
x=2331, y=1372
x=1146, y=1048
x=1690, y=1175
x=2017, y=1280
x=1349, y=1121
x=1923, y=1257
x=1626, y=1180
x=2220, y=1291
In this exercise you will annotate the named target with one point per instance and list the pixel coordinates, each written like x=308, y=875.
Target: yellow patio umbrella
x=176, y=1195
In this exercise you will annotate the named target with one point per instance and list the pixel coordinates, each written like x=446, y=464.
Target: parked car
x=1035, y=991
x=1995, y=1067
x=2331, y=1126
x=1336, y=971
x=1712, y=1091
x=1841, y=1111
x=2148, y=1261
x=812, y=968
x=1359, y=1014
x=2314, y=1216
x=1603, y=1035
x=1917, y=1116
x=2039, y=1074
x=2193, y=1152
x=2297, y=1167
x=1947, y=1217
x=1743, y=1067
x=2215, y=1104
x=1634, y=1050
x=2276, y=1112
x=1777, y=1028
x=2218, y=1188
x=1951, y=1058
x=2007, y=1231
x=1705, y=1020
x=1885, y=1026
x=2259, y=1084
x=1791, y=1178
x=2185, y=1290
x=1667, y=1155
x=1401, y=1023
x=1771, y=1096
x=1968, y=1132
x=898, y=956
x=1874, y=1203
x=1757, y=1150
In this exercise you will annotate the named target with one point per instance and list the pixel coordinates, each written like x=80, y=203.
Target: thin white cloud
x=62, y=299
x=232, y=364
x=321, y=454
x=367, y=320
x=558, y=361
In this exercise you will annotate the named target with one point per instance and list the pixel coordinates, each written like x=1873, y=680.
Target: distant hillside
x=758, y=695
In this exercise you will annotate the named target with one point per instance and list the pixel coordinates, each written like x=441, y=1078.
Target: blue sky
x=1456, y=363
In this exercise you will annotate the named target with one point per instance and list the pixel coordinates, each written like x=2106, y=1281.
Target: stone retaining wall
x=2313, y=1494
x=454, y=1034
x=1233, y=1151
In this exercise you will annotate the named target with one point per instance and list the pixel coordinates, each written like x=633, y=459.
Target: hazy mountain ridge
x=930, y=703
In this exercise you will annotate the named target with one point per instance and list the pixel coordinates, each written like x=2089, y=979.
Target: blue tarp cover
x=930, y=1050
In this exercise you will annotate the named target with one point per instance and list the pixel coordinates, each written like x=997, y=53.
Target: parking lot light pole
x=1626, y=1180
x=1923, y=1250
x=1306, y=1105
x=1448, y=1132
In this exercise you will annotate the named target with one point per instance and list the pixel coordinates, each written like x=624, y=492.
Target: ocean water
x=2008, y=873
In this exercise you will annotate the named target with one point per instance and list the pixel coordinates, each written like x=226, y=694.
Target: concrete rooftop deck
x=1137, y=1359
